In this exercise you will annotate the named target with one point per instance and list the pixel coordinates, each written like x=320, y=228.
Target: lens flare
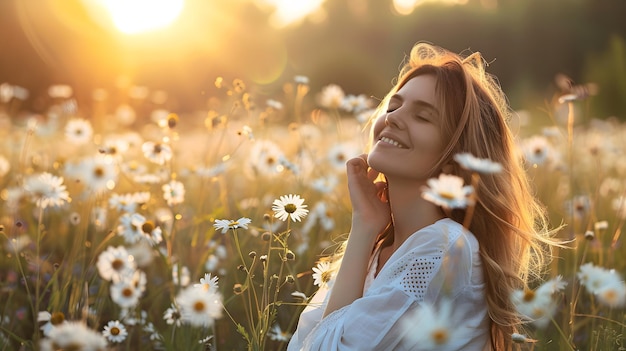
x=138, y=16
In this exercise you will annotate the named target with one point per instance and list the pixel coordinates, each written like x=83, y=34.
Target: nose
x=393, y=119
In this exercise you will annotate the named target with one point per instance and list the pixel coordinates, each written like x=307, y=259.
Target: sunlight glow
x=406, y=7
x=287, y=12
x=137, y=16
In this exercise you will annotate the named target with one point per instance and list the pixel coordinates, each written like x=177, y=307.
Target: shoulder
x=433, y=254
x=439, y=238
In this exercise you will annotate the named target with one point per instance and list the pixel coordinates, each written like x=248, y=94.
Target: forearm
x=350, y=278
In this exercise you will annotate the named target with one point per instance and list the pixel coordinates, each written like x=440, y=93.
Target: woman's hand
x=370, y=204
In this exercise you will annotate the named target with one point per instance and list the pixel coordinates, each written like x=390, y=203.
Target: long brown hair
x=508, y=222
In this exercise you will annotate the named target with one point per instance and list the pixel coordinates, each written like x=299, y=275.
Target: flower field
x=128, y=226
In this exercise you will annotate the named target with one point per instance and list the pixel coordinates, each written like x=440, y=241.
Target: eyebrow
x=418, y=103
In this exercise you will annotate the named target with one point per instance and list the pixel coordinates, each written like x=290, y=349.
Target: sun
x=138, y=16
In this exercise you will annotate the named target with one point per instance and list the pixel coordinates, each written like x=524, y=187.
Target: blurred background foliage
x=357, y=44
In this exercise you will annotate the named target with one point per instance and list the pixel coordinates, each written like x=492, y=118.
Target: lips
x=390, y=141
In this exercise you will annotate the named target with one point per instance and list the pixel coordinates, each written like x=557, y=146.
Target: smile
x=392, y=142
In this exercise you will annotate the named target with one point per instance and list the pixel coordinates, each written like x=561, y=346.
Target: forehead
x=419, y=89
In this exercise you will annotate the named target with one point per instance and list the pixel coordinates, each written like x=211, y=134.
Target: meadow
x=128, y=226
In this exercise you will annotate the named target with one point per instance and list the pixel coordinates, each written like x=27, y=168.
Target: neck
x=410, y=212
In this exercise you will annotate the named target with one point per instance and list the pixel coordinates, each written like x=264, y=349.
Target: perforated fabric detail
x=418, y=276
x=414, y=273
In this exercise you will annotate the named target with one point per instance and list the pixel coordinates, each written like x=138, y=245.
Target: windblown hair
x=508, y=222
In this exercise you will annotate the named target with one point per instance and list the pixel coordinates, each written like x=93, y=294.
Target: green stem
x=558, y=328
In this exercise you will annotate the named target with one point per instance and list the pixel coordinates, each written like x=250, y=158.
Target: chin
x=376, y=161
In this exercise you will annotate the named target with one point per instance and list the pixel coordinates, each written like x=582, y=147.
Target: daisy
x=6, y=92
x=208, y=283
x=125, y=294
x=300, y=79
x=364, y=116
x=430, y=327
x=115, y=263
x=225, y=224
x=199, y=307
x=354, y=103
x=73, y=336
x=331, y=96
x=98, y=174
x=264, y=158
x=579, y=206
x=340, y=153
x=114, y=147
x=319, y=215
x=606, y=284
x=151, y=233
x=172, y=316
x=326, y=184
x=278, y=334
x=593, y=278
x=322, y=274
x=5, y=166
x=289, y=206
x=115, y=331
x=158, y=153
x=128, y=202
x=153, y=334
x=612, y=294
x=142, y=252
x=139, y=279
x=78, y=131
x=537, y=150
x=211, y=263
x=173, y=192
x=46, y=190
x=52, y=320
x=131, y=227
x=475, y=164
x=538, y=306
x=448, y=191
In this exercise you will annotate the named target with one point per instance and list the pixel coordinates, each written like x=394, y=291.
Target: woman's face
x=407, y=139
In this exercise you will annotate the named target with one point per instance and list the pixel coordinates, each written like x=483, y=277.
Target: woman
x=405, y=253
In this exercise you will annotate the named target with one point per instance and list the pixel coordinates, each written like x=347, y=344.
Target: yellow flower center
x=448, y=195
x=440, y=336
x=57, y=318
x=610, y=295
x=115, y=331
x=529, y=295
x=147, y=227
x=290, y=208
x=198, y=306
x=127, y=292
x=117, y=264
x=326, y=275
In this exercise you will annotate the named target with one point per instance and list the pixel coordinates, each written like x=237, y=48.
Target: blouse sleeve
x=413, y=273
x=369, y=323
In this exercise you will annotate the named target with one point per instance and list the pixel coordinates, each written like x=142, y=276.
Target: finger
x=382, y=191
x=372, y=174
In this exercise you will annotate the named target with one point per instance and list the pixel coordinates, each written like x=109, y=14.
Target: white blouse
x=438, y=262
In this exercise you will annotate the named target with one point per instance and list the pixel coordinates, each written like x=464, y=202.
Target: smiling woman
x=137, y=16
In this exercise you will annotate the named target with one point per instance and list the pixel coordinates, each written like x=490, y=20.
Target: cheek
x=379, y=125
